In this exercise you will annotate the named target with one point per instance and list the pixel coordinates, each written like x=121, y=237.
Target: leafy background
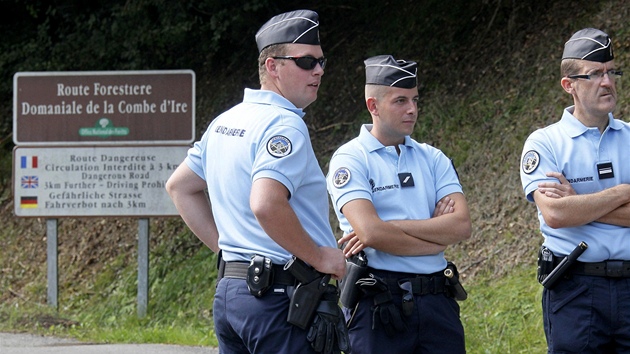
x=489, y=75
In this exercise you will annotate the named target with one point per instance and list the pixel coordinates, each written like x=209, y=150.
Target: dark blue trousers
x=433, y=327
x=247, y=324
x=588, y=314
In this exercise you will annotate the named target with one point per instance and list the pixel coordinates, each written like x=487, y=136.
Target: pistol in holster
x=356, y=268
x=455, y=288
x=307, y=294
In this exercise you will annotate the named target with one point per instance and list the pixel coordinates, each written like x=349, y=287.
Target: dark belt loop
x=614, y=269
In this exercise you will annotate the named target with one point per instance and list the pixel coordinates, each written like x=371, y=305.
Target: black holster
x=356, y=268
x=307, y=295
x=454, y=287
x=545, y=263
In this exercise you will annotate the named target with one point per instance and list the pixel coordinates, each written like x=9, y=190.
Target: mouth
x=606, y=93
x=409, y=125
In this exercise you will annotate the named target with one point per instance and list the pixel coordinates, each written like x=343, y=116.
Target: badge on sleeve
x=279, y=146
x=530, y=162
x=341, y=177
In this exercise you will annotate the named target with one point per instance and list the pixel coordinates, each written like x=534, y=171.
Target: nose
x=607, y=80
x=318, y=70
x=413, y=107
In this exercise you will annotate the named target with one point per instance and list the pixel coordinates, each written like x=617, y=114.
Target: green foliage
x=503, y=315
x=182, y=281
x=488, y=77
x=70, y=35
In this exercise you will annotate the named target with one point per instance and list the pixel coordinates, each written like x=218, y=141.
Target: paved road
x=21, y=343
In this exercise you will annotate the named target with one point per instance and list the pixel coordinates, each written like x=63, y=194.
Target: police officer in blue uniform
x=577, y=172
x=399, y=202
x=267, y=193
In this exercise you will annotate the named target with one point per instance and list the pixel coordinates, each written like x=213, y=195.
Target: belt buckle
x=614, y=269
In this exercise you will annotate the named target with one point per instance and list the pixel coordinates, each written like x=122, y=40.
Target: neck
x=591, y=121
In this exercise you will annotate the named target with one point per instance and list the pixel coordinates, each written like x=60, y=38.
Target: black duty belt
x=610, y=268
x=238, y=270
x=421, y=284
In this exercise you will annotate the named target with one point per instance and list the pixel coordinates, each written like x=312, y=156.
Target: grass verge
x=501, y=315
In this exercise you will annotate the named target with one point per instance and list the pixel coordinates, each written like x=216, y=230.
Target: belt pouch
x=259, y=275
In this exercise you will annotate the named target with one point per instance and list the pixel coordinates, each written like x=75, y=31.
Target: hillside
x=489, y=74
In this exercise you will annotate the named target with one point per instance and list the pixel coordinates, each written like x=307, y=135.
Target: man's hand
x=352, y=244
x=444, y=206
x=556, y=190
x=332, y=262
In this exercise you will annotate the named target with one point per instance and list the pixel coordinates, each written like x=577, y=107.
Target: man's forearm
x=445, y=230
x=581, y=209
x=619, y=216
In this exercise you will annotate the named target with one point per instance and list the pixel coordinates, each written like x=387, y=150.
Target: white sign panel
x=94, y=181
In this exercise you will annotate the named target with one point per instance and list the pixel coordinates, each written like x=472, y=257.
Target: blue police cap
x=589, y=44
x=300, y=26
x=387, y=71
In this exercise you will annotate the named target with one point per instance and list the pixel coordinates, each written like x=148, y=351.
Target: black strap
x=238, y=270
x=611, y=269
x=421, y=284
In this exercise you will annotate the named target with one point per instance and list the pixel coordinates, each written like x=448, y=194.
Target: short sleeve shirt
x=401, y=186
x=262, y=137
x=591, y=161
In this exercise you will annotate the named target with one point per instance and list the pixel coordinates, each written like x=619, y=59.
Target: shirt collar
x=575, y=128
x=271, y=98
x=370, y=142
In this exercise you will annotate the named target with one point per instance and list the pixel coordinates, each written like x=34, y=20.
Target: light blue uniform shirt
x=576, y=151
x=262, y=137
x=365, y=169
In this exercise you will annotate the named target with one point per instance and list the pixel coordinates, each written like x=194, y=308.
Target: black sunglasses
x=306, y=62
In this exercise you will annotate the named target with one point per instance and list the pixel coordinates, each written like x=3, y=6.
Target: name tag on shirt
x=605, y=170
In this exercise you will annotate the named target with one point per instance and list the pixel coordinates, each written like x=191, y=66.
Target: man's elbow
x=176, y=188
x=554, y=220
x=170, y=187
x=465, y=231
x=263, y=212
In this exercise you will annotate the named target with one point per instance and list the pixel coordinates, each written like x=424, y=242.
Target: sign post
x=99, y=144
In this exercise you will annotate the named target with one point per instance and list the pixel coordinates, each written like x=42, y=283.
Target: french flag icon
x=28, y=161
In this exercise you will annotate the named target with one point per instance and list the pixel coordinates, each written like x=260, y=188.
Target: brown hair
x=570, y=67
x=271, y=51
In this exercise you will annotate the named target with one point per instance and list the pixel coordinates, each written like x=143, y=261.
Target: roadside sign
x=94, y=181
x=104, y=108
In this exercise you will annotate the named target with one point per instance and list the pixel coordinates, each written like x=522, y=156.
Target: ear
x=272, y=68
x=567, y=84
x=370, y=102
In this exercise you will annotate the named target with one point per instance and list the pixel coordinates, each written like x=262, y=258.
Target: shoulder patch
x=341, y=177
x=279, y=146
x=530, y=162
